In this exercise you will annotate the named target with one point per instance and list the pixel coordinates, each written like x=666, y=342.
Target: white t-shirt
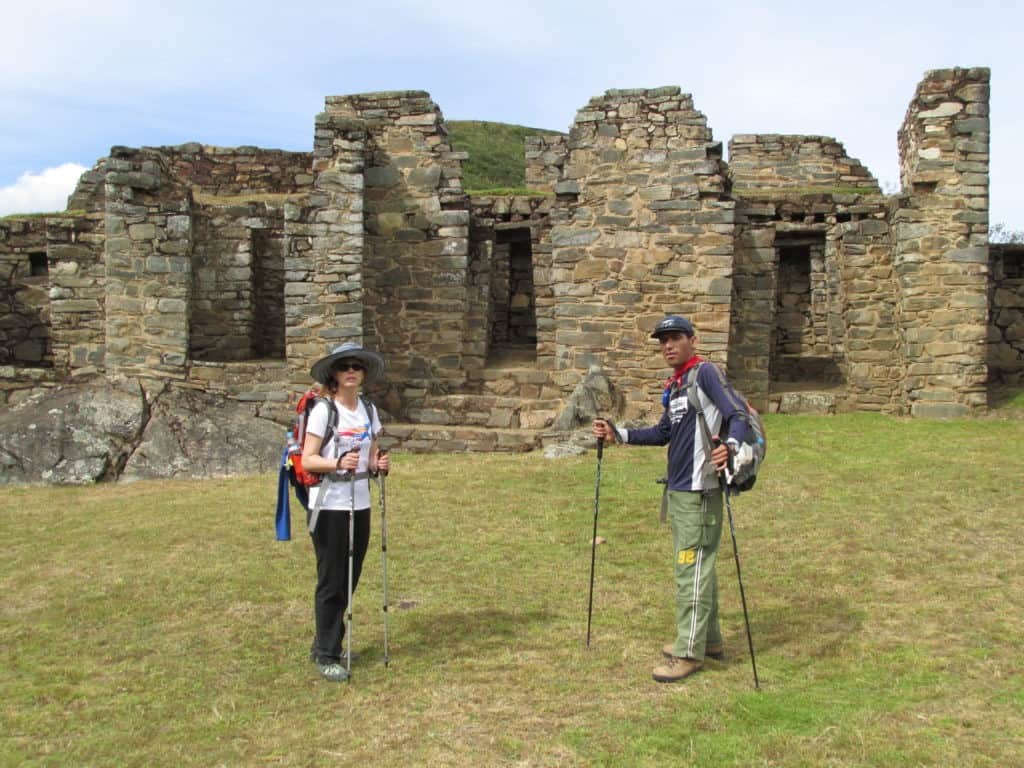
x=356, y=429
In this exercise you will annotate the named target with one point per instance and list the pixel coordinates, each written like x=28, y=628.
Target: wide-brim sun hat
x=321, y=370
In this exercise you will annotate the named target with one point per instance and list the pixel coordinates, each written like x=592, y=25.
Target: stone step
x=524, y=382
x=433, y=438
x=821, y=402
x=485, y=410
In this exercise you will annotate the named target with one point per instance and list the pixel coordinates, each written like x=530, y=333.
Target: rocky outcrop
x=101, y=431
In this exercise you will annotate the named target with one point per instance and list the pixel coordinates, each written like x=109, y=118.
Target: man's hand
x=720, y=456
x=603, y=430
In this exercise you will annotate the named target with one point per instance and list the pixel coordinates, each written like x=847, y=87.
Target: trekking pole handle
x=382, y=452
x=600, y=447
x=348, y=472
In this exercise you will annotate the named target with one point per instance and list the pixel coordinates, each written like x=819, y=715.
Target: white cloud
x=41, y=192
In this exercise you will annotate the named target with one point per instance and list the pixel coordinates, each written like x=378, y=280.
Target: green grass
x=53, y=215
x=496, y=154
x=159, y=623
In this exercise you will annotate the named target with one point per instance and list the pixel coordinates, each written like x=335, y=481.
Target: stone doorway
x=801, y=351
x=512, y=331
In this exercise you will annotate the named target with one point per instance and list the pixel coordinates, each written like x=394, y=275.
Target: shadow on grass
x=469, y=633
x=804, y=628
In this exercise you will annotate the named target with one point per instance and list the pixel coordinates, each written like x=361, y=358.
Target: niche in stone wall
x=513, y=315
x=801, y=351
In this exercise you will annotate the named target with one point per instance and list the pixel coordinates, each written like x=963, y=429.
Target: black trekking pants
x=330, y=541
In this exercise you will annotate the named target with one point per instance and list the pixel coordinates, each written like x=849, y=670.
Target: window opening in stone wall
x=801, y=352
x=38, y=266
x=513, y=328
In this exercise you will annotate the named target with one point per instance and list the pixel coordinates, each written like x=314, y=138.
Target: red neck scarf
x=677, y=377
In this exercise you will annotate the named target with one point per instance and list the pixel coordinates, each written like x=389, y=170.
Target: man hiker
x=694, y=496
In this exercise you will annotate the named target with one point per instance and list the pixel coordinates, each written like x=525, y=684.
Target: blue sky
x=80, y=77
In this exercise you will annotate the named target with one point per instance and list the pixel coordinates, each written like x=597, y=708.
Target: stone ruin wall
x=645, y=229
x=941, y=243
x=232, y=269
x=802, y=204
x=51, y=322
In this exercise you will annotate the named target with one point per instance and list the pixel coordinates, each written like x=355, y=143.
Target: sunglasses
x=349, y=366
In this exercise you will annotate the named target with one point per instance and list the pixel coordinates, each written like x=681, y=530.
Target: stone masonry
x=231, y=270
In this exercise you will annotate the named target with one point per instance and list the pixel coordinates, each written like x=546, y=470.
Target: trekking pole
x=351, y=557
x=381, y=476
x=593, y=541
x=739, y=573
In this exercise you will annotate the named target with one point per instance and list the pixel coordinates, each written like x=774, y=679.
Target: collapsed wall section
x=941, y=242
x=641, y=228
x=759, y=163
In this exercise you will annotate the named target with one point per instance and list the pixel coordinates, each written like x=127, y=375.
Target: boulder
x=101, y=430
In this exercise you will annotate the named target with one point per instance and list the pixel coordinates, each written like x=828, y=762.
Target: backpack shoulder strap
x=371, y=408
x=332, y=420
x=692, y=396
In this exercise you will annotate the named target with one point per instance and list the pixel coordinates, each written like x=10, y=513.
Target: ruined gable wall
x=941, y=235
x=417, y=240
x=647, y=232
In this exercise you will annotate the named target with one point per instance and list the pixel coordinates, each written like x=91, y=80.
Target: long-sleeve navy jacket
x=688, y=468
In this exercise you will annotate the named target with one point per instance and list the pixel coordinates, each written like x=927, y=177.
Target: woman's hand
x=383, y=463
x=349, y=462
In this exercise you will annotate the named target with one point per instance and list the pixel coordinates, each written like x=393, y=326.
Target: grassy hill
x=495, y=153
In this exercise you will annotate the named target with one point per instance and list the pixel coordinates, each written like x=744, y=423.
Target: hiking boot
x=676, y=669
x=712, y=651
x=332, y=671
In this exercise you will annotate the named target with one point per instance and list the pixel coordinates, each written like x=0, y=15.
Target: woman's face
x=349, y=372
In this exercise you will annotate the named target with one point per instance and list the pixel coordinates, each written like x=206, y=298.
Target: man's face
x=677, y=347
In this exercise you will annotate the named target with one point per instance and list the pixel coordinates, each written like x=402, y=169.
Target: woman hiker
x=351, y=449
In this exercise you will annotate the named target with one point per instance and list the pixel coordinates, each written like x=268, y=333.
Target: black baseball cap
x=673, y=323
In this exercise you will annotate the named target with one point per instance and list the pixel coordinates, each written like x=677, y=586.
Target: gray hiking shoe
x=332, y=671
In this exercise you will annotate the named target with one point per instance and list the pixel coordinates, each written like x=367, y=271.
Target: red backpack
x=300, y=479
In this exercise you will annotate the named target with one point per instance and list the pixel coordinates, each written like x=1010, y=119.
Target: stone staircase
x=510, y=408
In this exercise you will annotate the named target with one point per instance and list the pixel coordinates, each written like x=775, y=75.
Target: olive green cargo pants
x=696, y=519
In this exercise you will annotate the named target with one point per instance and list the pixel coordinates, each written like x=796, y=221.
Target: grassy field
x=160, y=623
